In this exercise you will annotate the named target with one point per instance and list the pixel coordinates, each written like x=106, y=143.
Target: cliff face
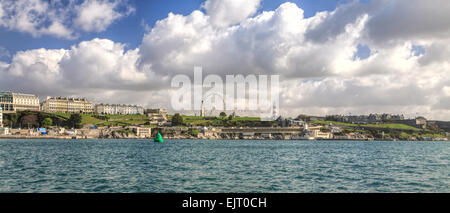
x=226, y=136
x=117, y=135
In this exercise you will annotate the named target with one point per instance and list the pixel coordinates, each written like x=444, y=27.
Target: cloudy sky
x=333, y=57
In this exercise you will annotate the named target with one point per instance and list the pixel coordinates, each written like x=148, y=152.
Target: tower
x=202, y=111
x=275, y=113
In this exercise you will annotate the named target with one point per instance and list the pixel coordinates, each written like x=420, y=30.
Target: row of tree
x=29, y=119
x=177, y=120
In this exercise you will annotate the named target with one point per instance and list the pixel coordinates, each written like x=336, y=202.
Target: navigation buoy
x=158, y=138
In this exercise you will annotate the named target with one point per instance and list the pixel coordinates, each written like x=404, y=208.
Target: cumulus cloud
x=97, y=69
x=96, y=16
x=272, y=42
x=33, y=16
x=4, y=53
x=61, y=19
x=396, y=21
x=224, y=13
x=315, y=58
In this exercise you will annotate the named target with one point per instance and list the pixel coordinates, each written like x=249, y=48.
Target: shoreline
x=207, y=139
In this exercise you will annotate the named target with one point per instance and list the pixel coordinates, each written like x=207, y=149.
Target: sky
x=333, y=57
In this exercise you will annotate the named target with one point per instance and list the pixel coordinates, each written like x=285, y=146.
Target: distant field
x=88, y=119
x=126, y=117
x=187, y=117
x=114, y=120
x=62, y=115
x=386, y=126
x=198, y=120
x=125, y=120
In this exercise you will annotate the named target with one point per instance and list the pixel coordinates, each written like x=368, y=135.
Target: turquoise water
x=223, y=166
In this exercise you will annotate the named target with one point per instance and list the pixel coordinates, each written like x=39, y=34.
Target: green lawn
x=386, y=126
x=133, y=120
x=126, y=117
x=201, y=121
x=118, y=120
x=88, y=119
x=61, y=115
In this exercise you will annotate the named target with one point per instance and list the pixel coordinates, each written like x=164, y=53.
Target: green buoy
x=158, y=138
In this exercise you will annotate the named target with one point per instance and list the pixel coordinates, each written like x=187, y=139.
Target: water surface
x=223, y=166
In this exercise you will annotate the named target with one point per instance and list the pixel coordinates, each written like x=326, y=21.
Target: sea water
x=223, y=166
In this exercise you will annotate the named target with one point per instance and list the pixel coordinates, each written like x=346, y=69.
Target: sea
x=230, y=166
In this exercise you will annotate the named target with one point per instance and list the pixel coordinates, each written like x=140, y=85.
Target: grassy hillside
x=107, y=120
x=225, y=121
x=384, y=126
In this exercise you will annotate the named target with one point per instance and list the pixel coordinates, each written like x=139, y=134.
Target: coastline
x=193, y=138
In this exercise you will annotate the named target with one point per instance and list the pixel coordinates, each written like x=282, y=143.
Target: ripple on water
x=223, y=166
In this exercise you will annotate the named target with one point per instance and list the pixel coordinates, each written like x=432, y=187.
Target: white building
x=143, y=132
x=3, y=130
x=24, y=102
x=316, y=133
x=67, y=105
x=13, y=102
x=119, y=109
x=157, y=114
x=1, y=117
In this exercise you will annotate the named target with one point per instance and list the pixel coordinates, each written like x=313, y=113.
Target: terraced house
x=67, y=105
x=119, y=109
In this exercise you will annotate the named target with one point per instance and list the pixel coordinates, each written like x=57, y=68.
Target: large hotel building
x=12, y=102
x=24, y=102
x=67, y=105
x=119, y=109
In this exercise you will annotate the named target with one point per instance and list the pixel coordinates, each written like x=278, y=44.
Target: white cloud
x=96, y=16
x=4, y=53
x=59, y=19
x=314, y=56
x=271, y=42
x=95, y=69
x=409, y=20
x=33, y=16
x=224, y=13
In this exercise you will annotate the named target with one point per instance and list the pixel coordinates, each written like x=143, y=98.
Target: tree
x=193, y=132
x=177, y=120
x=11, y=119
x=47, y=122
x=74, y=121
x=223, y=114
x=302, y=117
x=29, y=120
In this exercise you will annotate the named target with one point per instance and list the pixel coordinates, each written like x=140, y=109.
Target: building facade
x=419, y=122
x=157, y=114
x=13, y=102
x=118, y=109
x=143, y=132
x=6, y=102
x=1, y=117
x=67, y=105
x=23, y=102
x=3, y=130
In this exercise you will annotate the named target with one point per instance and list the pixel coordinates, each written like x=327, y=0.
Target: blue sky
x=360, y=57
x=129, y=30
